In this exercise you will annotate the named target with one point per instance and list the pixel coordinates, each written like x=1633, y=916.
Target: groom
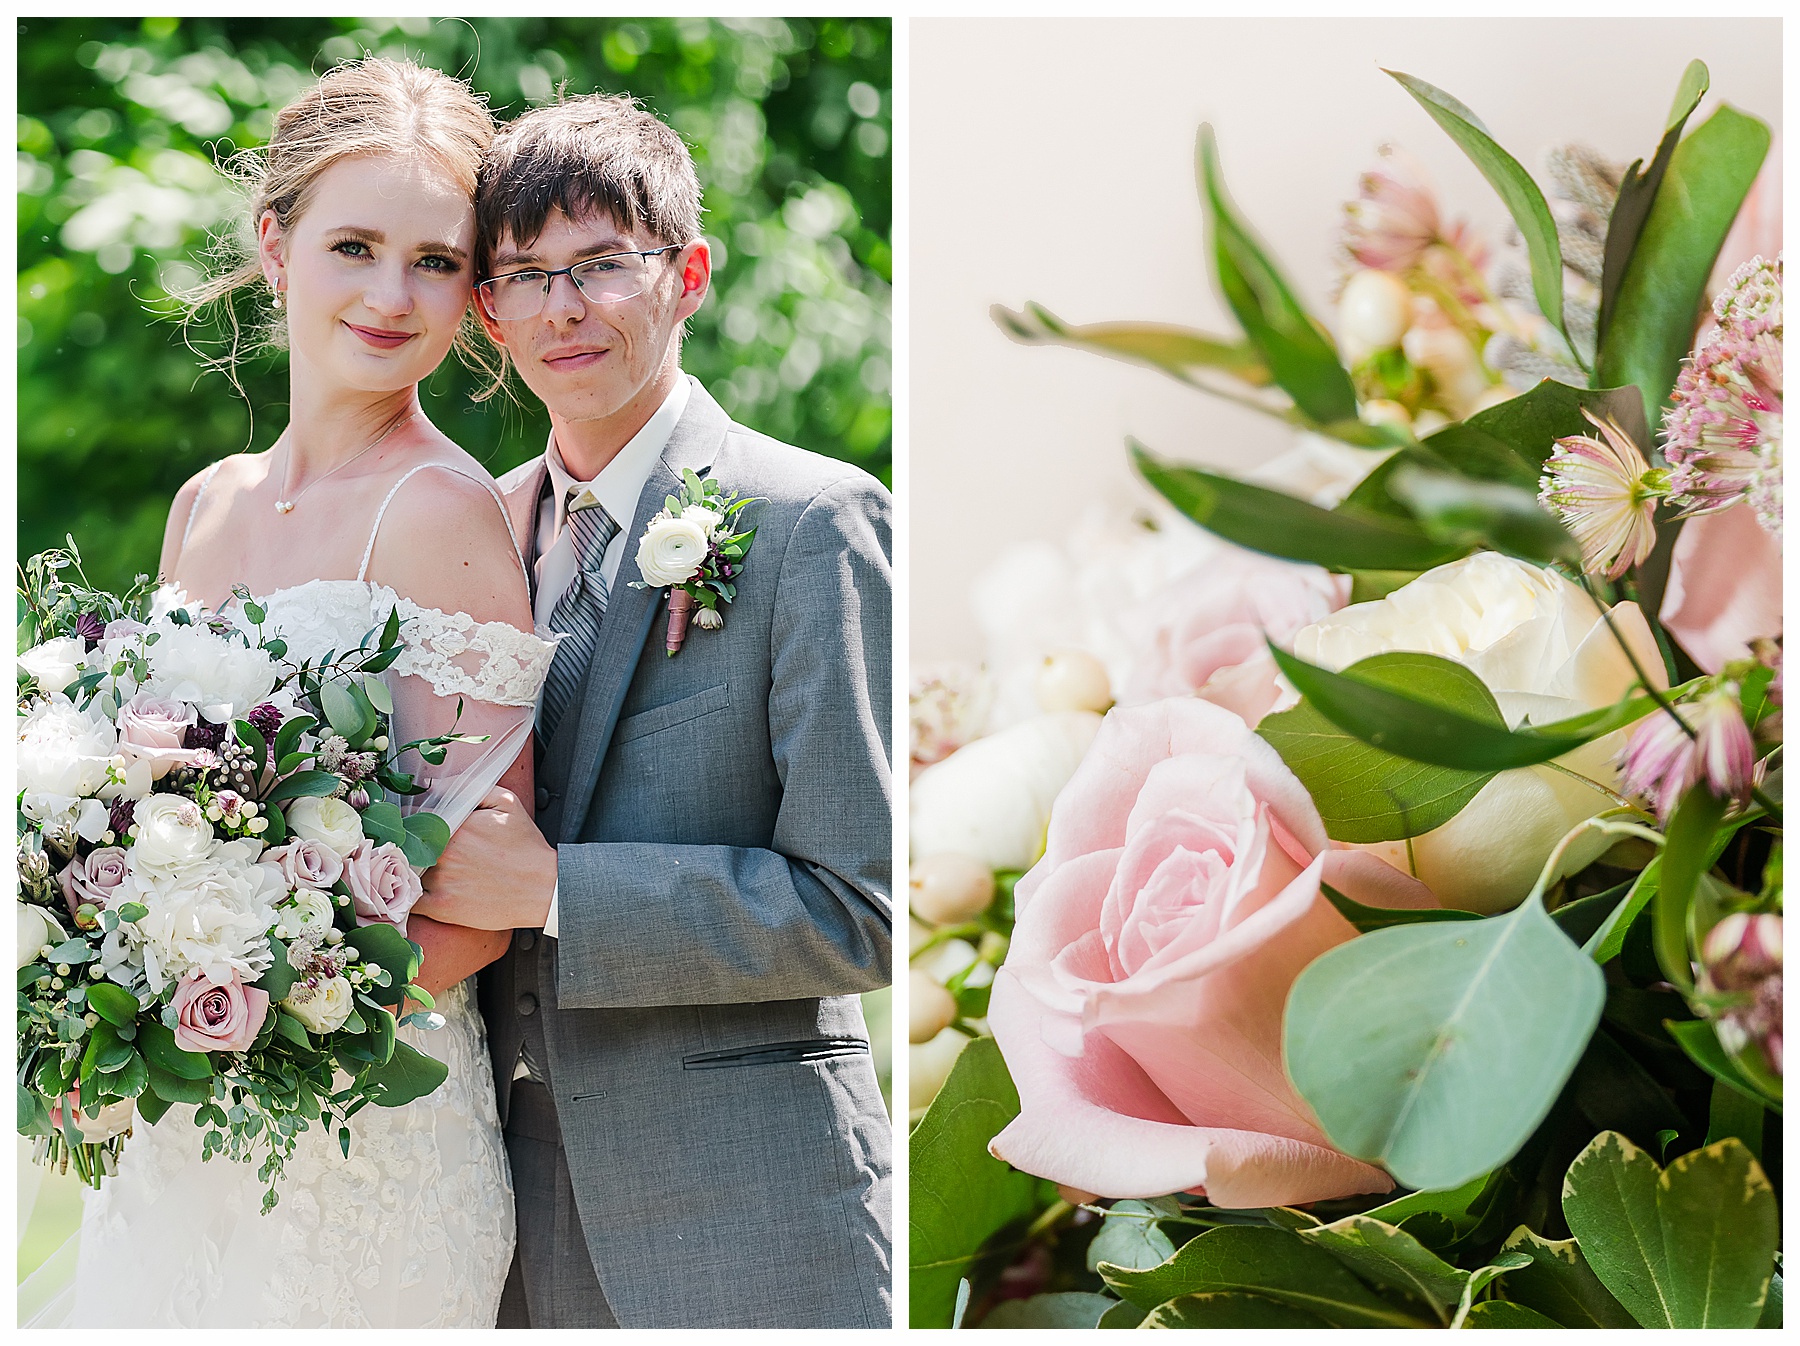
x=695, y=1130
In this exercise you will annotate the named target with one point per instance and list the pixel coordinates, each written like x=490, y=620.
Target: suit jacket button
x=526, y=938
x=543, y=797
x=527, y=1004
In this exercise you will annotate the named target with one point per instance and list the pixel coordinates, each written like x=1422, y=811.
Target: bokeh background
x=122, y=121
x=1053, y=160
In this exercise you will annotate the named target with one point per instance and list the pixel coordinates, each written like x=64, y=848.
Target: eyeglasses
x=601, y=280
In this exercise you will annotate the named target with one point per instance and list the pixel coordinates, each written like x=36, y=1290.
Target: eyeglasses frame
x=487, y=301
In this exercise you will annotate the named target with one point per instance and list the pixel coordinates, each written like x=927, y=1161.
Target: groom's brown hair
x=597, y=153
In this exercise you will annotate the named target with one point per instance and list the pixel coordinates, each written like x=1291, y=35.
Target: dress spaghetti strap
x=194, y=508
x=362, y=571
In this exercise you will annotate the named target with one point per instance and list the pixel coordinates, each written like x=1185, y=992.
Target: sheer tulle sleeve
x=493, y=672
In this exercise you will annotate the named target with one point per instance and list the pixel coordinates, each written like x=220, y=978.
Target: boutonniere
x=692, y=550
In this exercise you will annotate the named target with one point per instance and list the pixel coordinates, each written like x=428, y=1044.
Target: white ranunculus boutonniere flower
x=691, y=550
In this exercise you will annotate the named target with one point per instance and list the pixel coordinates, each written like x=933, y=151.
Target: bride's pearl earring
x=276, y=302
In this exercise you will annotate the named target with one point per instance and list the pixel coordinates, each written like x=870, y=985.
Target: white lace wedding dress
x=415, y=1228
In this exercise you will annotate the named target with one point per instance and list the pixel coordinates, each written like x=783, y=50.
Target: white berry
x=1073, y=680
x=949, y=888
x=930, y=1008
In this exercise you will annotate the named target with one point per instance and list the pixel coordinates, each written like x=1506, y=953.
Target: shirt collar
x=621, y=481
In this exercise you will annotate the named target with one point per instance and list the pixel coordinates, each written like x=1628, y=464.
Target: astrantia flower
x=1754, y=291
x=1395, y=218
x=1723, y=435
x=1741, y=966
x=1605, y=494
x=1661, y=762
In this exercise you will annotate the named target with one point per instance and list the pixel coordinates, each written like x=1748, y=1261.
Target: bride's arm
x=181, y=510
x=444, y=545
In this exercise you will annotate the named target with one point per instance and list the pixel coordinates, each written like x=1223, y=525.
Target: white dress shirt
x=618, y=487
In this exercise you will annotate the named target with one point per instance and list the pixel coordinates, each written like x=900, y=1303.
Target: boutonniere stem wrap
x=692, y=549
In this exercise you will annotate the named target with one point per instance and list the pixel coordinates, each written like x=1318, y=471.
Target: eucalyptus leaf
x=406, y=1075
x=1299, y=356
x=426, y=837
x=1524, y=201
x=378, y=694
x=1664, y=281
x=1560, y=1285
x=1068, y=1308
x=961, y=1195
x=1178, y=351
x=1129, y=1237
x=382, y=821
x=280, y=977
x=347, y=710
x=1690, y=1246
x=1283, y=525
x=1435, y=1050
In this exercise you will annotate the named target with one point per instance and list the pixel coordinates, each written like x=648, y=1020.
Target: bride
x=365, y=239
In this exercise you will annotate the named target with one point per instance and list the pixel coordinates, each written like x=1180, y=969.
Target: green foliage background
x=122, y=120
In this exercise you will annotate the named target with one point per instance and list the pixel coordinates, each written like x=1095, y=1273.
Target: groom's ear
x=695, y=261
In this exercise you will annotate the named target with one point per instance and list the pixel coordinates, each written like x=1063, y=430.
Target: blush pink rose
x=151, y=729
x=94, y=878
x=1211, y=630
x=306, y=864
x=382, y=884
x=212, y=1018
x=1724, y=587
x=1139, y=1008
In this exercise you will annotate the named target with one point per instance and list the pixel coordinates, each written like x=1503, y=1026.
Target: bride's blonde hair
x=372, y=106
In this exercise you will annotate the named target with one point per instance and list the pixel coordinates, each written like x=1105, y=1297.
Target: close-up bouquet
x=1364, y=909
x=215, y=873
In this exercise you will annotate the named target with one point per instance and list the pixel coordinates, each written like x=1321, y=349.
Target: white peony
x=67, y=815
x=672, y=549
x=56, y=663
x=213, y=915
x=222, y=677
x=991, y=799
x=37, y=927
x=1540, y=645
x=63, y=750
x=330, y=822
x=306, y=911
x=323, y=1008
x=170, y=832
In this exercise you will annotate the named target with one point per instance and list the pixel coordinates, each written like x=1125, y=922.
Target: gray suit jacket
x=723, y=830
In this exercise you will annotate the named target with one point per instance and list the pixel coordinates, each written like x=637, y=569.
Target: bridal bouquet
x=1371, y=915
x=213, y=882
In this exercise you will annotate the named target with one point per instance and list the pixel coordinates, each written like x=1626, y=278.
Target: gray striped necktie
x=576, y=616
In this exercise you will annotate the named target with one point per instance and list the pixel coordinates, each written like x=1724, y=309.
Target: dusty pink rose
x=306, y=864
x=213, y=1018
x=1212, y=627
x=1140, y=1006
x=151, y=729
x=1724, y=587
x=383, y=886
x=94, y=878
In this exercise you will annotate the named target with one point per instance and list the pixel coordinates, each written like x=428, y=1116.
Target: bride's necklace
x=287, y=506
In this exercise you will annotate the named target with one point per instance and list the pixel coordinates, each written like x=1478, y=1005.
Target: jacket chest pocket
x=658, y=718
x=777, y=1053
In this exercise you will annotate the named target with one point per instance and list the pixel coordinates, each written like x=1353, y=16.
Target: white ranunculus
x=330, y=822
x=1542, y=648
x=63, y=750
x=225, y=679
x=702, y=517
x=306, y=911
x=171, y=833
x=37, y=927
x=322, y=1009
x=672, y=550
x=213, y=915
x=56, y=663
x=991, y=798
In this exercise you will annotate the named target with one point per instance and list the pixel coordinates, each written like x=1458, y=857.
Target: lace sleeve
x=484, y=661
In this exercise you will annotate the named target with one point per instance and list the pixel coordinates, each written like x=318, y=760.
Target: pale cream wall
x=1053, y=160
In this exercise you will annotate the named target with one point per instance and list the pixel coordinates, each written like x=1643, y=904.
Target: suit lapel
x=579, y=745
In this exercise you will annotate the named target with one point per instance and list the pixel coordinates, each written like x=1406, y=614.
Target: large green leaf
x=1416, y=723
x=1365, y=793
x=1509, y=442
x=303, y=785
x=961, y=1195
x=406, y=1075
x=426, y=837
x=1664, y=282
x=1178, y=351
x=1472, y=514
x=1700, y=1040
x=158, y=1046
x=113, y=1003
x=1435, y=1050
x=1067, y=1308
x=1282, y=525
x=1560, y=1285
x=1299, y=356
x=1392, y=1259
x=1230, y=1309
x=1524, y=201
x=1506, y=1315
x=1692, y=1246
x=1686, y=855
x=1271, y=1263
x=1638, y=190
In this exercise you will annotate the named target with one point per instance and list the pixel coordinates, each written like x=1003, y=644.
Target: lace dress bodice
x=415, y=1227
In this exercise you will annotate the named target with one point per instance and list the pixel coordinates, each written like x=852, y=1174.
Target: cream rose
x=330, y=822
x=305, y=911
x=56, y=663
x=323, y=1008
x=672, y=549
x=36, y=928
x=1540, y=645
x=171, y=832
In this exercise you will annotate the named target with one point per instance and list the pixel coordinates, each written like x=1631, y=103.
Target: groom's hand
x=498, y=873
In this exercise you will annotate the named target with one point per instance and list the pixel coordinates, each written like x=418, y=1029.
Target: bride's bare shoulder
x=444, y=543
x=218, y=480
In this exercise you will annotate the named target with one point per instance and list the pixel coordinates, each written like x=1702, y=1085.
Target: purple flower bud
x=1741, y=965
x=1661, y=763
x=121, y=815
x=358, y=799
x=266, y=719
x=90, y=628
x=229, y=801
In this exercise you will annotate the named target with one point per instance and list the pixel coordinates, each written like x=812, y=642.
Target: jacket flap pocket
x=776, y=1053
x=675, y=712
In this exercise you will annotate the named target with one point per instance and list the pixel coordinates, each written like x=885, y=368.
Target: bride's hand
x=498, y=872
